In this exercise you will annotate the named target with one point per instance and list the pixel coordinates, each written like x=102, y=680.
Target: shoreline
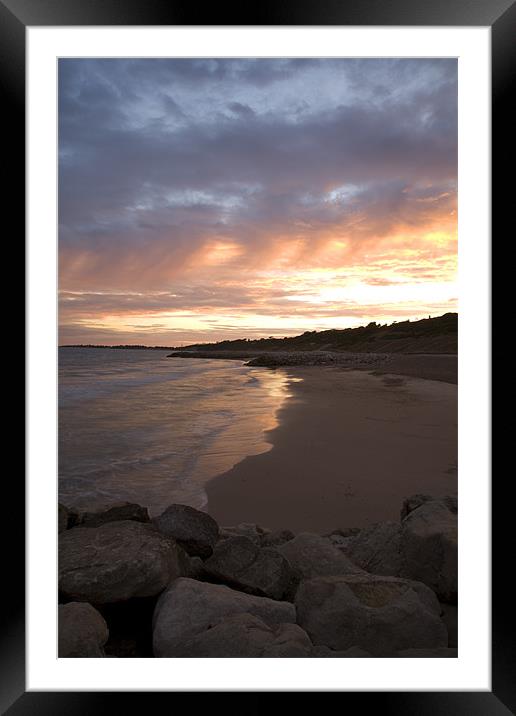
x=432, y=366
x=348, y=446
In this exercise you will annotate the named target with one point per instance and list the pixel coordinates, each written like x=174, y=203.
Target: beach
x=353, y=506
x=349, y=446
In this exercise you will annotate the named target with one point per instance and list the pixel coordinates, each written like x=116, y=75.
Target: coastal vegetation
x=428, y=335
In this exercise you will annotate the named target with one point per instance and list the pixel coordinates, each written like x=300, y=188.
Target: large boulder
x=245, y=635
x=377, y=548
x=313, y=556
x=195, y=531
x=240, y=563
x=423, y=547
x=382, y=615
x=188, y=608
x=115, y=562
x=428, y=547
x=82, y=631
x=115, y=512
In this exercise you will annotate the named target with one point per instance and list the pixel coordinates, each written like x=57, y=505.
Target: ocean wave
x=144, y=430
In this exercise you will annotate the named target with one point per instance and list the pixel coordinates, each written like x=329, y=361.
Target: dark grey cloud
x=160, y=159
x=136, y=135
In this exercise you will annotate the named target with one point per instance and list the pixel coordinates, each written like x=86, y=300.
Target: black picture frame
x=500, y=16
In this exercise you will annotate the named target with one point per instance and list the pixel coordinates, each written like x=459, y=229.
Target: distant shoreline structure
x=127, y=346
x=427, y=335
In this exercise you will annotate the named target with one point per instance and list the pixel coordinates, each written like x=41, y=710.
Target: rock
x=450, y=618
x=379, y=614
x=276, y=538
x=192, y=567
x=62, y=518
x=311, y=555
x=238, y=562
x=355, y=652
x=290, y=641
x=244, y=635
x=189, y=608
x=246, y=529
x=267, y=361
x=422, y=548
x=442, y=653
x=115, y=562
x=343, y=538
x=82, y=631
x=116, y=512
x=377, y=549
x=194, y=530
x=428, y=548
x=412, y=503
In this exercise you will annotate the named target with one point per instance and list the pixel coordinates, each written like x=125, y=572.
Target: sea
x=137, y=426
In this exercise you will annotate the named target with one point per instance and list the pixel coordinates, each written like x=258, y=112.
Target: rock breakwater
x=181, y=586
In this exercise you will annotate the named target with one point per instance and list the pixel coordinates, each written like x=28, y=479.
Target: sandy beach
x=350, y=445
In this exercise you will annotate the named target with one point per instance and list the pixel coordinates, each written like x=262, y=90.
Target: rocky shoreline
x=442, y=367
x=181, y=586
x=275, y=359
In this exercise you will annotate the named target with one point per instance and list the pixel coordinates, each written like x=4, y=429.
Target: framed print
x=258, y=356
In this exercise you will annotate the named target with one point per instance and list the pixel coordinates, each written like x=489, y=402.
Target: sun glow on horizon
x=237, y=207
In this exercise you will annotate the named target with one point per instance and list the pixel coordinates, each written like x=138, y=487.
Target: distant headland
x=128, y=346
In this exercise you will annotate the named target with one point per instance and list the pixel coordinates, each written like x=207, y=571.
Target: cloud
x=184, y=181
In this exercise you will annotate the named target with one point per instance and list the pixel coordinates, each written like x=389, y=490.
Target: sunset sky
x=209, y=199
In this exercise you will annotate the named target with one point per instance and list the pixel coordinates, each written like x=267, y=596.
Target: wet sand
x=349, y=447
x=421, y=365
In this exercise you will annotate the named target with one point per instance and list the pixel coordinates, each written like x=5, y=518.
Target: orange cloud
x=285, y=196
